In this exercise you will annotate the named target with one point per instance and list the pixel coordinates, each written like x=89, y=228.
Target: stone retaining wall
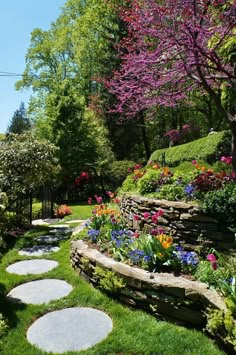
x=183, y=220
x=173, y=298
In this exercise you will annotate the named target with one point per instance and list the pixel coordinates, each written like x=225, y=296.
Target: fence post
x=31, y=209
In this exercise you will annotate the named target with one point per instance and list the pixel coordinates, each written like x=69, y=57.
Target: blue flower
x=147, y=258
x=136, y=255
x=120, y=237
x=187, y=258
x=189, y=190
x=94, y=233
x=179, y=248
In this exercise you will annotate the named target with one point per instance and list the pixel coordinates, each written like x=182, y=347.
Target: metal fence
x=27, y=207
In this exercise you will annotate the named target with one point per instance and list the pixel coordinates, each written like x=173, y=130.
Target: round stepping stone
x=75, y=221
x=40, y=291
x=50, y=238
x=37, y=266
x=70, y=329
x=38, y=250
x=39, y=222
x=59, y=226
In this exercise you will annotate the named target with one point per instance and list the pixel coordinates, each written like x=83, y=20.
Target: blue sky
x=18, y=18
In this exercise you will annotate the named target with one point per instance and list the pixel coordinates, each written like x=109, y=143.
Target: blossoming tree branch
x=173, y=48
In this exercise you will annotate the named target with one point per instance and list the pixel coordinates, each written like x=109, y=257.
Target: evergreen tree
x=19, y=122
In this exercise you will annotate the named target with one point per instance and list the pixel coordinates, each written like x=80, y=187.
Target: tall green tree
x=80, y=48
x=19, y=122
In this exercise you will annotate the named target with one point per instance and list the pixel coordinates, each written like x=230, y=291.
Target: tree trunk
x=233, y=143
x=144, y=135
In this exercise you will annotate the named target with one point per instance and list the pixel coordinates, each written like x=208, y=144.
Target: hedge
x=209, y=149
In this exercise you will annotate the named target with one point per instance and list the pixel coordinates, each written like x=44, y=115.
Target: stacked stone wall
x=184, y=221
x=170, y=297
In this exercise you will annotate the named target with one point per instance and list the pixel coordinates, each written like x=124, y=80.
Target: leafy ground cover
x=134, y=332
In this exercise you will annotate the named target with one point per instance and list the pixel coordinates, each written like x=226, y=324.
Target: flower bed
x=172, y=298
x=142, y=267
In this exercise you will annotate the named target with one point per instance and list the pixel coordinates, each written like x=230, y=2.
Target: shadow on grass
x=9, y=308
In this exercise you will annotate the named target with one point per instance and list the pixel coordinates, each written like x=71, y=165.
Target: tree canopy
x=26, y=164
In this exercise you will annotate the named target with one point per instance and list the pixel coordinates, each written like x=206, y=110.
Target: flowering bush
x=162, y=183
x=62, y=211
x=82, y=179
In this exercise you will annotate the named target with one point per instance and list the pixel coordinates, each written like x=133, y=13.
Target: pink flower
x=146, y=215
x=154, y=218
x=98, y=198
x=90, y=200
x=116, y=200
x=136, y=235
x=159, y=213
x=229, y=160
x=136, y=217
x=194, y=162
x=157, y=231
x=212, y=259
x=110, y=194
x=214, y=265
x=156, y=215
x=223, y=159
x=226, y=160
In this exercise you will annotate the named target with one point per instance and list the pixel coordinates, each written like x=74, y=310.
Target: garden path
x=69, y=329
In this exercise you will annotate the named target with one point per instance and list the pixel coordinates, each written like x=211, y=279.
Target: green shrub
x=209, y=148
x=148, y=182
x=108, y=280
x=3, y=327
x=187, y=167
x=117, y=173
x=172, y=192
x=128, y=185
x=205, y=273
x=222, y=323
x=221, y=204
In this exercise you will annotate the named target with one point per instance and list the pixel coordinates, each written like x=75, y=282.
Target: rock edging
x=170, y=297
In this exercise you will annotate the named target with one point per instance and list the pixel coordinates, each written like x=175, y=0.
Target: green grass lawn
x=134, y=331
x=79, y=211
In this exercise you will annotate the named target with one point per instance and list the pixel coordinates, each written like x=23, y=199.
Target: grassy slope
x=208, y=148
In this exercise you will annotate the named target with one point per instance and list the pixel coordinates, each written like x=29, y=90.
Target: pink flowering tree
x=172, y=48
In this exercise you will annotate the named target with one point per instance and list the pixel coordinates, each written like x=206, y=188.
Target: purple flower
x=94, y=233
x=189, y=189
x=136, y=255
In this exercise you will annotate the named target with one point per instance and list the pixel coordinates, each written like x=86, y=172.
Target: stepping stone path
x=69, y=329
x=37, y=266
x=50, y=238
x=40, y=291
x=38, y=250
